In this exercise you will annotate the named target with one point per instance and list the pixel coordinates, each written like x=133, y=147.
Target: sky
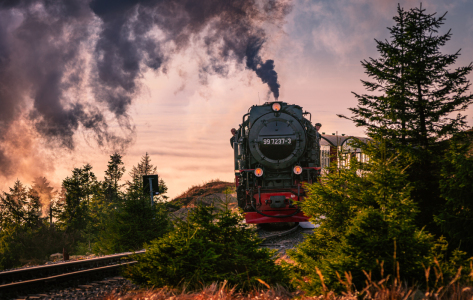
x=182, y=116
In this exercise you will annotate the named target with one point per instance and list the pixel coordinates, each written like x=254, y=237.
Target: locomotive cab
x=276, y=152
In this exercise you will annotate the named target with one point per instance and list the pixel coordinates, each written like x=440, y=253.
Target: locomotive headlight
x=276, y=106
x=297, y=170
x=258, y=172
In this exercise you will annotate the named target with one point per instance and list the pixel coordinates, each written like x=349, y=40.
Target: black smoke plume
x=54, y=54
x=265, y=70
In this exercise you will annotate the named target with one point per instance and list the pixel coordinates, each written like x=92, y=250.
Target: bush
x=456, y=216
x=366, y=219
x=134, y=223
x=210, y=246
x=21, y=245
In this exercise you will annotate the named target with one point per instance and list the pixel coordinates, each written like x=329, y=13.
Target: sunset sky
x=183, y=118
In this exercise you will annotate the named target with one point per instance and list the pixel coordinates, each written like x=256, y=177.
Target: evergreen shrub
x=134, y=223
x=209, y=246
x=367, y=224
x=456, y=186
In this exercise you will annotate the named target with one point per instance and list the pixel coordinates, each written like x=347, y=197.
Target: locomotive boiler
x=276, y=150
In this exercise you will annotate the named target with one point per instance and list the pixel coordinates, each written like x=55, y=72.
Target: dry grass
x=374, y=291
x=212, y=292
x=216, y=292
x=397, y=290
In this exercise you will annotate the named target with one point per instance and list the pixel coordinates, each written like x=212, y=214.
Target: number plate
x=278, y=141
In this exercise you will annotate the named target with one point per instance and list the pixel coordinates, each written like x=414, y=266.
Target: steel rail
x=63, y=277
x=288, y=232
x=10, y=276
x=44, y=277
x=278, y=234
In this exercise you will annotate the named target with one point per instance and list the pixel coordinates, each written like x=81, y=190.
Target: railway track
x=269, y=236
x=284, y=240
x=37, y=279
x=40, y=278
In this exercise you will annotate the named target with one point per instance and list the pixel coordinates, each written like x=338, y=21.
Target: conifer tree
x=21, y=206
x=20, y=226
x=78, y=191
x=113, y=174
x=419, y=91
x=144, y=167
x=130, y=222
x=418, y=94
x=107, y=201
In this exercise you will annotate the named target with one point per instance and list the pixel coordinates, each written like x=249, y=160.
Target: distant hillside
x=211, y=188
x=212, y=192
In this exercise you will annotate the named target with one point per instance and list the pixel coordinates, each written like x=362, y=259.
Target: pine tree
x=419, y=91
x=418, y=95
x=136, y=223
x=21, y=206
x=106, y=204
x=21, y=227
x=113, y=174
x=78, y=191
x=144, y=167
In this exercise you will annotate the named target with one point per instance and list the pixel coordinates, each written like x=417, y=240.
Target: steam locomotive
x=276, y=150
